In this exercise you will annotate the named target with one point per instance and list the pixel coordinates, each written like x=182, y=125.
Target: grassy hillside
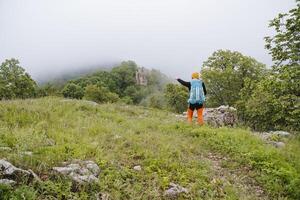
x=211, y=163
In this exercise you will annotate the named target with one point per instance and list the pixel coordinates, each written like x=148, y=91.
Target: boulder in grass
x=281, y=133
x=137, y=168
x=7, y=182
x=221, y=116
x=217, y=117
x=174, y=191
x=80, y=171
x=10, y=172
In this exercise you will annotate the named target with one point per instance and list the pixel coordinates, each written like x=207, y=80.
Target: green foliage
x=72, y=90
x=155, y=100
x=22, y=192
x=99, y=94
x=48, y=90
x=284, y=45
x=176, y=97
x=225, y=73
x=124, y=76
x=15, y=82
x=275, y=101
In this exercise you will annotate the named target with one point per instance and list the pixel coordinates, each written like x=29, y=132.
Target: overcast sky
x=174, y=36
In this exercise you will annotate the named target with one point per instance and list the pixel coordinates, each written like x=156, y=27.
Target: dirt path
x=246, y=186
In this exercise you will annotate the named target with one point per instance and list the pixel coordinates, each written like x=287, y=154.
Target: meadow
x=211, y=163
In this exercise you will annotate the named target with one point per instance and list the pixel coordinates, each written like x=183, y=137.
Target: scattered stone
x=7, y=182
x=137, y=168
x=102, y=196
x=273, y=137
x=8, y=169
x=174, y=190
x=49, y=142
x=10, y=172
x=27, y=153
x=92, y=103
x=80, y=171
x=117, y=137
x=281, y=133
x=279, y=144
x=5, y=149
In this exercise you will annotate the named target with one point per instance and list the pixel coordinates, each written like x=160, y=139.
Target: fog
x=175, y=36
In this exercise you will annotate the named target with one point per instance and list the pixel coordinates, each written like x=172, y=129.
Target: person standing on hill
x=197, y=97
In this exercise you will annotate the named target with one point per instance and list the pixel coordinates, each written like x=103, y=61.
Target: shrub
x=72, y=90
x=100, y=94
x=15, y=82
x=176, y=97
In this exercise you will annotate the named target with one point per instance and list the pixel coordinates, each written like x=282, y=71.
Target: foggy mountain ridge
x=70, y=73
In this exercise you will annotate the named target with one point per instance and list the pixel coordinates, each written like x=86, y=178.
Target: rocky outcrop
x=174, y=190
x=9, y=174
x=217, y=117
x=140, y=76
x=80, y=171
x=275, y=138
x=221, y=116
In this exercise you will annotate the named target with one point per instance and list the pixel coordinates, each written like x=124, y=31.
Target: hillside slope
x=210, y=163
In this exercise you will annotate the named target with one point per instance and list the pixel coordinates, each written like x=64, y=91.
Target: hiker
x=197, y=97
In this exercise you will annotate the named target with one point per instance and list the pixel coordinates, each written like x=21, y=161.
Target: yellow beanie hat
x=195, y=75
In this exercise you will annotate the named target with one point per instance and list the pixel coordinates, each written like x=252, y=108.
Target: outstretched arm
x=184, y=83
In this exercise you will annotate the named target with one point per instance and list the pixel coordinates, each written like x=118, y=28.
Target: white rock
x=7, y=182
x=14, y=173
x=5, y=149
x=137, y=168
x=174, y=190
x=7, y=168
x=27, y=153
x=80, y=171
x=281, y=133
x=93, y=167
x=278, y=144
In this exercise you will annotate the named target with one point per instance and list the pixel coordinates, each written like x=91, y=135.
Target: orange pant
x=200, y=115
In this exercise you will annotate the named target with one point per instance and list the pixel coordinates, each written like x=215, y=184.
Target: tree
x=275, y=101
x=15, y=82
x=224, y=74
x=176, y=97
x=71, y=90
x=124, y=76
x=284, y=46
x=100, y=94
x=48, y=89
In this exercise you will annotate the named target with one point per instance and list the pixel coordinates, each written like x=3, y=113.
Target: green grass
x=118, y=137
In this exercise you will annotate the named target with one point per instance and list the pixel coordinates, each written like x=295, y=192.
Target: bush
x=224, y=74
x=100, y=94
x=274, y=103
x=74, y=91
x=15, y=82
x=176, y=97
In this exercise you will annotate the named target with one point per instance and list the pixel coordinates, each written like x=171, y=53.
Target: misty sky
x=174, y=36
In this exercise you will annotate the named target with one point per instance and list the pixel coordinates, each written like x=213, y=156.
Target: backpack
x=196, y=92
